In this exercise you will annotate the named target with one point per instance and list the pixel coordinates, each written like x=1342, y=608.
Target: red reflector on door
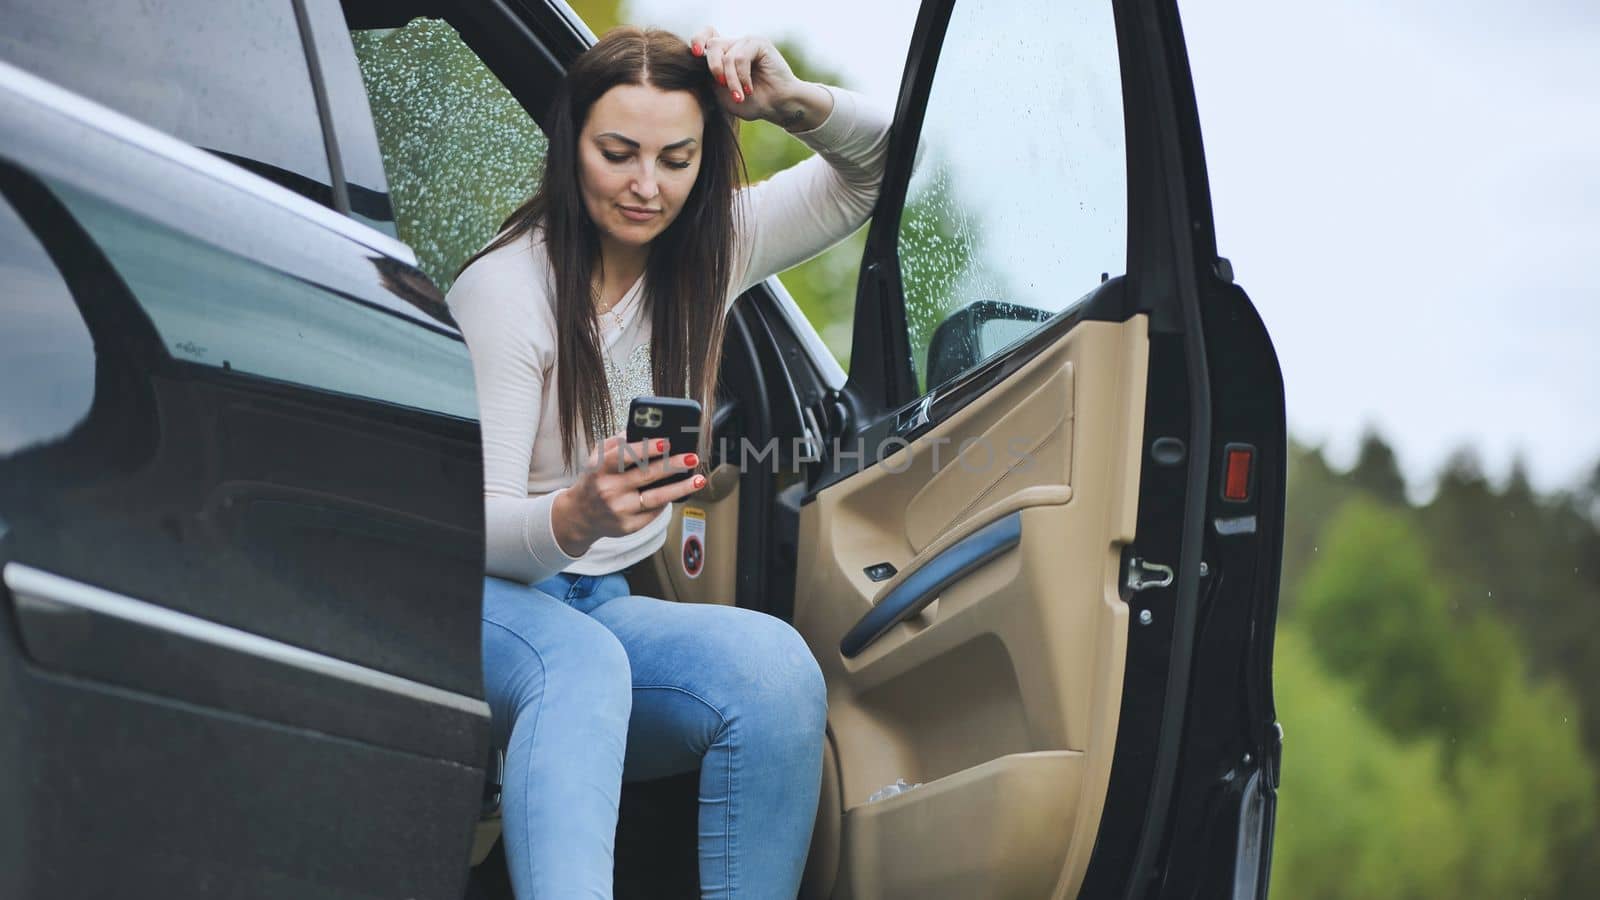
x=1236, y=486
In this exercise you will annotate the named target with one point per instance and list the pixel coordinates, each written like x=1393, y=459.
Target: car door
x=1038, y=563
x=240, y=480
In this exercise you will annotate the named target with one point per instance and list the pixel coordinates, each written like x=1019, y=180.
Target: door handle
x=923, y=585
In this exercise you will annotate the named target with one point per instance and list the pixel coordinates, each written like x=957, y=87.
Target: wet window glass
x=461, y=153
x=50, y=362
x=1019, y=202
x=214, y=308
x=229, y=78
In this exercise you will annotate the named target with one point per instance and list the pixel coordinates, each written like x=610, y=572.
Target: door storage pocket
x=1000, y=829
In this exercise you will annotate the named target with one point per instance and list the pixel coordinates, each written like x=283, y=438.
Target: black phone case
x=673, y=418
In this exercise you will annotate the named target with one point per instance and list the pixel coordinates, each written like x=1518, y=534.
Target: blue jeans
x=589, y=685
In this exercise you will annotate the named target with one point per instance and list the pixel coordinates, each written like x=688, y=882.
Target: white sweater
x=504, y=304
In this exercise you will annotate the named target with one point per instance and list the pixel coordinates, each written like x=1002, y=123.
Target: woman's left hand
x=757, y=82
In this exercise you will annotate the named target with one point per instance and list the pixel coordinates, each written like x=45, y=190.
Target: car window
x=214, y=308
x=460, y=152
x=49, y=354
x=1019, y=202
x=229, y=78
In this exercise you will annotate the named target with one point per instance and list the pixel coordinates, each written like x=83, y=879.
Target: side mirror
x=976, y=332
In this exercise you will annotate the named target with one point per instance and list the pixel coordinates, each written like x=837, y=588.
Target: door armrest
x=922, y=585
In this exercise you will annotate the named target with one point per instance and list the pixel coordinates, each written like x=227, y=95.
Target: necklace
x=612, y=310
x=594, y=297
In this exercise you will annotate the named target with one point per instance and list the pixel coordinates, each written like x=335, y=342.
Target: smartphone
x=673, y=418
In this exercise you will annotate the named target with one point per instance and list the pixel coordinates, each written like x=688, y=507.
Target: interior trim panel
x=998, y=689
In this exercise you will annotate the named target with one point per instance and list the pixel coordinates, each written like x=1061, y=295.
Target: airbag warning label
x=694, y=541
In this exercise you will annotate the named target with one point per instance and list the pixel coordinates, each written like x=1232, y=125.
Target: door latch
x=1143, y=575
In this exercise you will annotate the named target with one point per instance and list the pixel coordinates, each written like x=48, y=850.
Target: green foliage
x=460, y=152
x=1534, y=562
x=1362, y=814
x=1365, y=813
x=1315, y=494
x=600, y=15
x=1527, y=790
x=824, y=287
x=1377, y=471
x=1434, y=749
x=938, y=243
x=1380, y=619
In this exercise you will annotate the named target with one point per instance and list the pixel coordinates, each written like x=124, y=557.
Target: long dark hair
x=690, y=264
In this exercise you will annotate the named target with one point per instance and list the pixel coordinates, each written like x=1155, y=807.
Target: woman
x=612, y=282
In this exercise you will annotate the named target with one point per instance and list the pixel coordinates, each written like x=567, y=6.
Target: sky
x=1408, y=190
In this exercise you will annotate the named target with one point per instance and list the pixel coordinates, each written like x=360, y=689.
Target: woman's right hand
x=608, y=501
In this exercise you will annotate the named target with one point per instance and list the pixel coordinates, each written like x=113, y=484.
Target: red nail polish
x=720, y=79
x=699, y=481
x=660, y=445
x=738, y=97
x=695, y=49
x=691, y=460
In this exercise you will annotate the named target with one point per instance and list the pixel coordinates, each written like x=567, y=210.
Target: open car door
x=1038, y=559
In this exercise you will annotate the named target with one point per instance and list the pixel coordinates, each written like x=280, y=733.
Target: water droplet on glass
x=460, y=152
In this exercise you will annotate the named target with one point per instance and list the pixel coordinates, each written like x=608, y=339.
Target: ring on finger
x=641, y=501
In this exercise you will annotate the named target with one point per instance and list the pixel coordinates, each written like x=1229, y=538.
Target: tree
x=1365, y=813
x=1362, y=815
x=1448, y=679
x=1380, y=617
x=1587, y=497
x=1377, y=471
x=1527, y=794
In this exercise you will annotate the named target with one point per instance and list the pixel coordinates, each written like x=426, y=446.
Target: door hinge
x=1143, y=575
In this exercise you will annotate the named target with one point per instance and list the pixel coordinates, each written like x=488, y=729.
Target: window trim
x=340, y=82
x=880, y=330
x=52, y=98
x=319, y=94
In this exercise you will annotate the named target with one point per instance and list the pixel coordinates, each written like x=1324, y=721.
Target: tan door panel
x=662, y=573
x=483, y=840
x=1036, y=450
x=1001, y=695
x=1015, y=815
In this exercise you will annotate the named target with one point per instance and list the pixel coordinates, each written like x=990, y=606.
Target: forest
x=1435, y=673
